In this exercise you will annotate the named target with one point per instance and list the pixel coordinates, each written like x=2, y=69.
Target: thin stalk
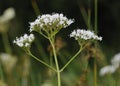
x=43, y=35
x=35, y=7
x=89, y=19
x=95, y=72
x=6, y=43
x=96, y=31
x=51, y=59
x=29, y=53
x=1, y=73
x=24, y=82
x=71, y=60
x=33, y=81
x=89, y=15
x=115, y=82
x=51, y=63
x=96, y=14
x=84, y=14
x=56, y=61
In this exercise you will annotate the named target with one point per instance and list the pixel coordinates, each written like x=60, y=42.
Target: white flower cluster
x=84, y=35
x=111, y=68
x=24, y=41
x=49, y=22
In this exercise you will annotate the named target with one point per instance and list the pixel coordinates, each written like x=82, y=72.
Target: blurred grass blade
x=86, y=16
x=35, y=7
x=6, y=43
x=1, y=73
x=96, y=16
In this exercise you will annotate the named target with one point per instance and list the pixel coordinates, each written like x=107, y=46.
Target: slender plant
x=96, y=31
x=48, y=26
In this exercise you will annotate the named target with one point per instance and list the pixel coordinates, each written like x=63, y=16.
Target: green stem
x=6, y=43
x=115, y=82
x=1, y=73
x=33, y=80
x=43, y=35
x=95, y=73
x=96, y=30
x=89, y=15
x=35, y=7
x=56, y=60
x=96, y=21
x=89, y=18
x=51, y=59
x=84, y=14
x=29, y=53
x=71, y=60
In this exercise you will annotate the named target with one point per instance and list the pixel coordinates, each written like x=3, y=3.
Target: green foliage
x=26, y=71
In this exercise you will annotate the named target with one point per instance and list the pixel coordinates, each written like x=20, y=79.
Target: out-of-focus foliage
x=28, y=72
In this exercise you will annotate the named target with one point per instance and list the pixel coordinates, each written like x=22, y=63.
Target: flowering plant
x=48, y=26
x=24, y=41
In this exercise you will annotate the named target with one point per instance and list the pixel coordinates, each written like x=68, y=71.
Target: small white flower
x=27, y=45
x=107, y=70
x=116, y=60
x=49, y=23
x=69, y=22
x=84, y=35
x=24, y=41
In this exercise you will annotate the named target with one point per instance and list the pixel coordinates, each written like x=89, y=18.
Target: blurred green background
x=28, y=10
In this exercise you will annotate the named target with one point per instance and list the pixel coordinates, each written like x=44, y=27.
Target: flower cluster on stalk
x=50, y=24
x=81, y=34
x=24, y=41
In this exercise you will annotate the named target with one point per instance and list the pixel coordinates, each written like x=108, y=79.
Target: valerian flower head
x=81, y=34
x=50, y=24
x=24, y=41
